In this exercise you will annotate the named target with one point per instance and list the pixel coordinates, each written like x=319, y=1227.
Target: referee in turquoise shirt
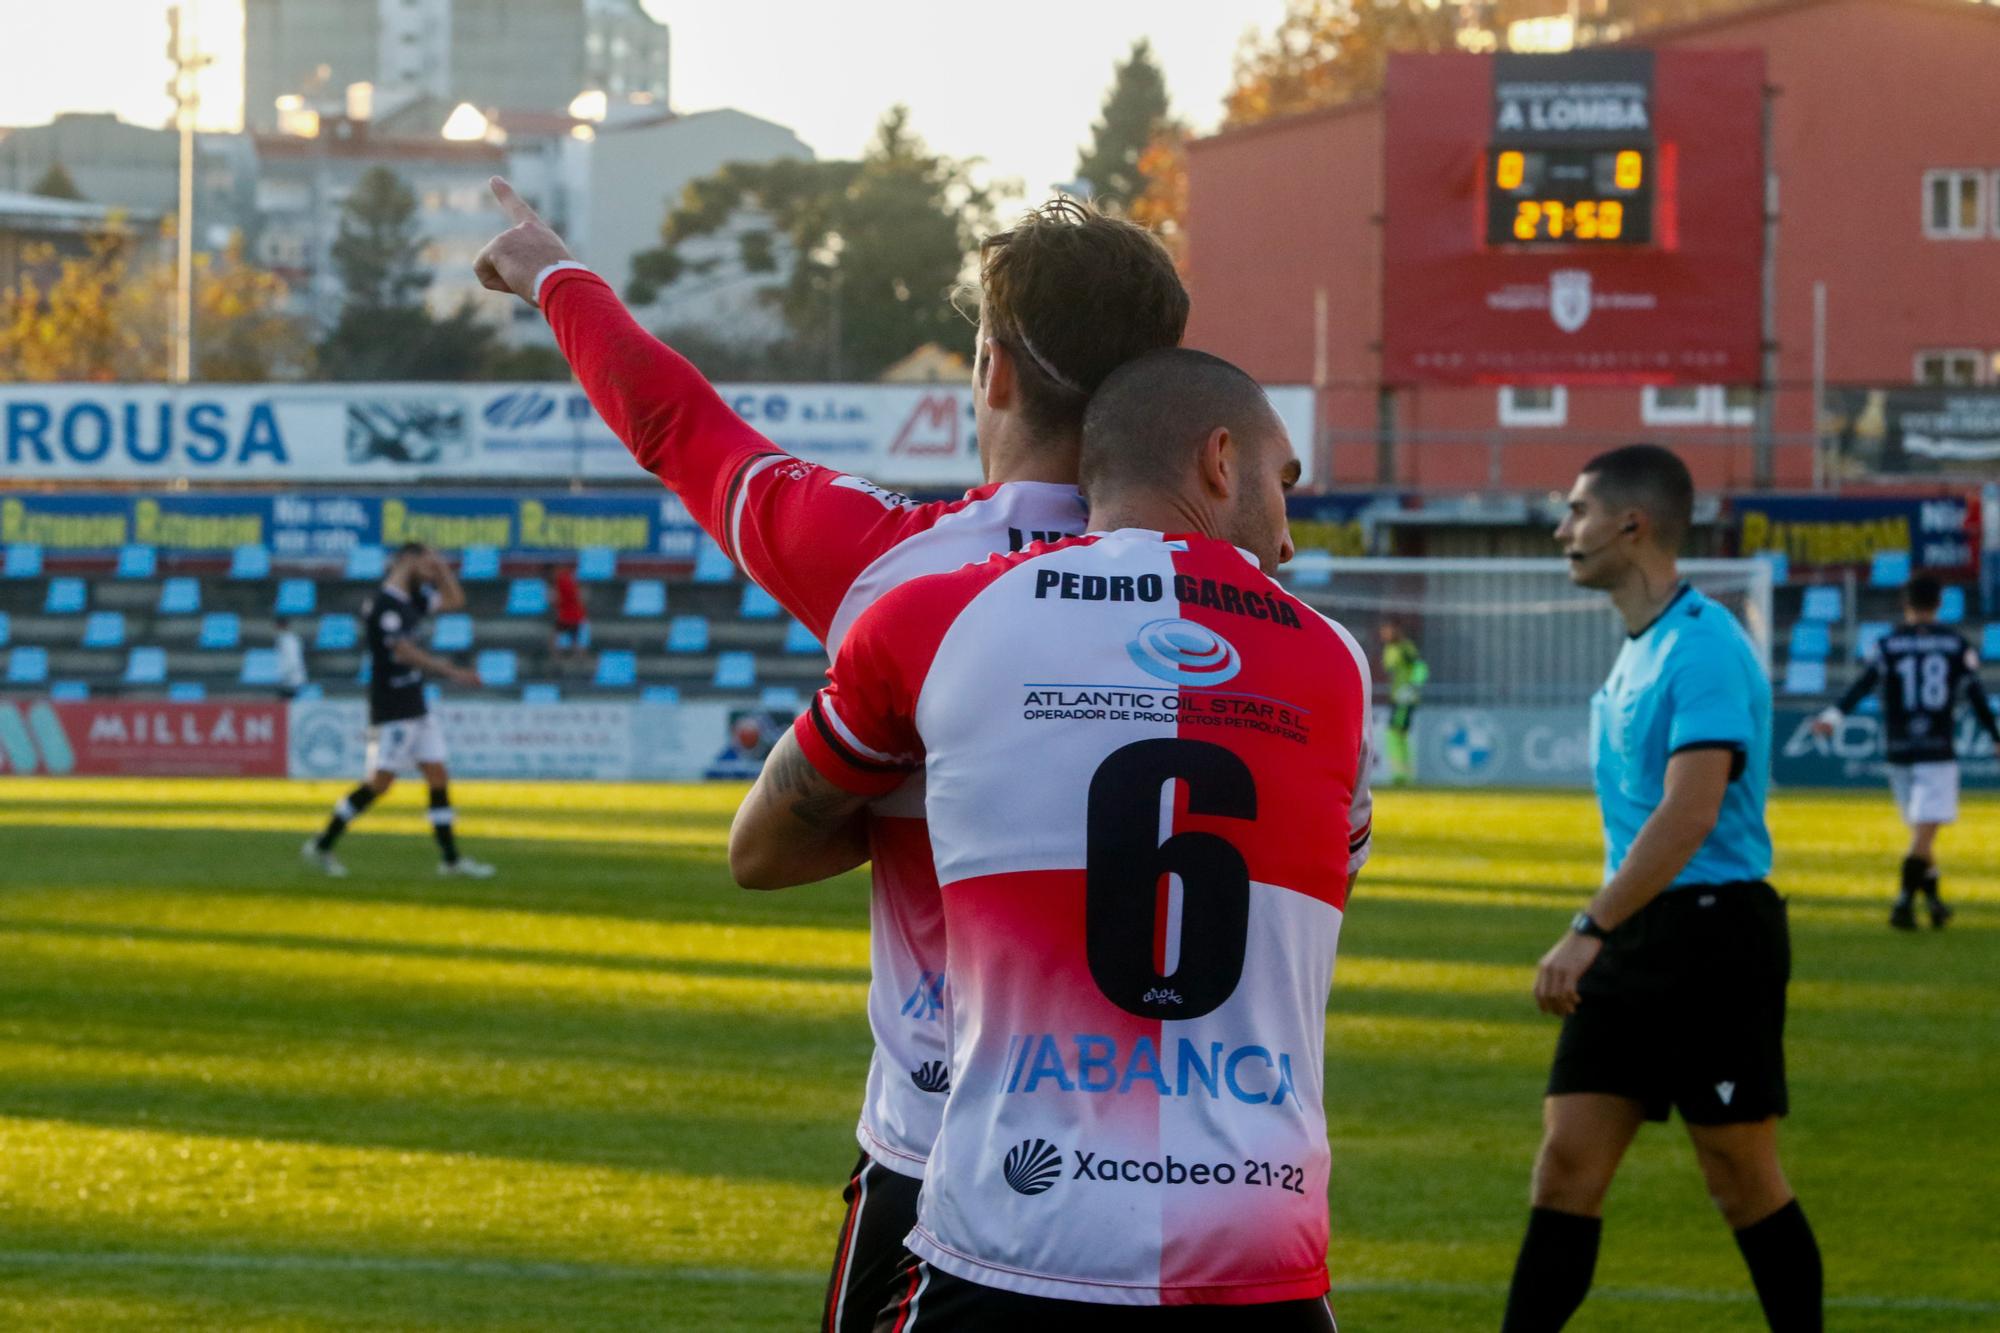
x=1671, y=982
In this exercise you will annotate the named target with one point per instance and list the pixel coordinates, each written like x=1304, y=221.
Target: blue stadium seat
x=146, y=665
x=6, y=628
x=66, y=597
x=617, y=669
x=1781, y=566
x=297, y=597
x=1867, y=634
x=308, y=691
x=68, y=691
x=366, y=671
x=527, y=597
x=24, y=561
x=782, y=699
x=366, y=564
x=710, y=564
x=496, y=667
x=1811, y=642
x=758, y=604
x=645, y=598
x=541, y=692
x=478, y=564
x=1889, y=569
x=137, y=562
x=260, y=667
x=660, y=694
x=104, y=629
x=1821, y=603
x=1805, y=678
x=1951, y=606
x=735, y=670
x=338, y=632
x=187, y=691
x=1310, y=569
x=220, y=629
x=687, y=634
x=1989, y=643
x=250, y=562
x=28, y=665
x=179, y=596
x=452, y=633
x=596, y=564
x=800, y=640
x=433, y=694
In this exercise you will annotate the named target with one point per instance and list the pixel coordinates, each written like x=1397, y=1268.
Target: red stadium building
x=1881, y=116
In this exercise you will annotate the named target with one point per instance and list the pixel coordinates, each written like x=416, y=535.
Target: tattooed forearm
x=814, y=801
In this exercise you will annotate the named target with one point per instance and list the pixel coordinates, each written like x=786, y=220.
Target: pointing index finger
x=513, y=205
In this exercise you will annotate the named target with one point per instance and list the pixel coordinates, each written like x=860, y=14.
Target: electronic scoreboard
x=1579, y=217
x=1572, y=162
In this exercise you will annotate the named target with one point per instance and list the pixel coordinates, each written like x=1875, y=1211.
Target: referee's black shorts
x=932, y=1299
x=1684, y=1008
x=868, y=1262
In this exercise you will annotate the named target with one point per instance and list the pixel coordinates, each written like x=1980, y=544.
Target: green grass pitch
x=608, y=1091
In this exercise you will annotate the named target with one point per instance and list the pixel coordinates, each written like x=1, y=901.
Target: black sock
x=1552, y=1276
x=441, y=823
x=1785, y=1269
x=349, y=810
x=1915, y=871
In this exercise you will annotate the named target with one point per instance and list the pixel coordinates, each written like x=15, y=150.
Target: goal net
x=1508, y=631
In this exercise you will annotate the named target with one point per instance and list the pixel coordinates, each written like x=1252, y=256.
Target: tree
x=1135, y=113
x=1327, y=52
x=106, y=315
x=378, y=249
x=384, y=330
x=56, y=184
x=861, y=257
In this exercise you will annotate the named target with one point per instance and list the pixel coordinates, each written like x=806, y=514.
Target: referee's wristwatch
x=1585, y=924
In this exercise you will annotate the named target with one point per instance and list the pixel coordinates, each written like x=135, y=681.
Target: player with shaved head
x=1133, y=743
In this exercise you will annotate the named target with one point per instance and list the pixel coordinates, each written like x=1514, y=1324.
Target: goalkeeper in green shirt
x=1407, y=673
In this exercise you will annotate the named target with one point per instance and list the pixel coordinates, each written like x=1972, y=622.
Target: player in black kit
x=401, y=730
x=1920, y=667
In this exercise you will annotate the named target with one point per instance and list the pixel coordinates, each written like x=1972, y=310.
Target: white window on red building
x=1698, y=405
x=1954, y=204
x=1955, y=368
x=1534, y=405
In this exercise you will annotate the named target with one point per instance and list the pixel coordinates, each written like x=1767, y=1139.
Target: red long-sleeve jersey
x=826, y=545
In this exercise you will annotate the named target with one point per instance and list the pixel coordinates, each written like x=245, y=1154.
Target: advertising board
x=912, y=436
x=138, y=738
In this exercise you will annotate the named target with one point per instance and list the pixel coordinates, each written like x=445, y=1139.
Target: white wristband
x=556, y=267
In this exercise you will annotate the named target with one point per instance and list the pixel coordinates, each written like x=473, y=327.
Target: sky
x=1016, y=84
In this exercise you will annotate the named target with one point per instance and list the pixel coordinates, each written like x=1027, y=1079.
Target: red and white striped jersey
x=826, y=545
x=1146, y=769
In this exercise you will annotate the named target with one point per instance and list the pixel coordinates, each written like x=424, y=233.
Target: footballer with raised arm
x=1066, y=296
x=1922, y=669
x=401, y=730
x=1146, y=778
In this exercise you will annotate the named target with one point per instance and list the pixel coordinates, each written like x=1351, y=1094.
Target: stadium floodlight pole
x=1764, y=447
x=1819, y=469
x=187, y=99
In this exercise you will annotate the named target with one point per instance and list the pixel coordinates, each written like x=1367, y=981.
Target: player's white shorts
x=1926, y=793
x=396, y=747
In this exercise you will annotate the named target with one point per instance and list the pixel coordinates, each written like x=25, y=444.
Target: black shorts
x=1685, y=1009
x=928, y=1298
x=868, y=1261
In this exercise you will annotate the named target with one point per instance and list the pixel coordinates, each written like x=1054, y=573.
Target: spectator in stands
x=571, y=638
x=291, y=652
